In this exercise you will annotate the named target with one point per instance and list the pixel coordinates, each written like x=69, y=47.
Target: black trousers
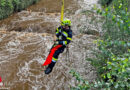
x=58, y=51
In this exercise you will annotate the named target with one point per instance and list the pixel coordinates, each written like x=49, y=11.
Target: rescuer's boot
x=50, y=67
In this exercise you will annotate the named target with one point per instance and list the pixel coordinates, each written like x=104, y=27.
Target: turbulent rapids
x=25, y=40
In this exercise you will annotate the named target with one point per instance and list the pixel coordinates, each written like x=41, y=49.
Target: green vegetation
x=7, y=7
x=112, y=60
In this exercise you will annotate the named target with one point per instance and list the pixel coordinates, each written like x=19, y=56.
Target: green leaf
x=107, y=9
x=116, y=86
x=128, y=44
x=114, y=72
x=109, y=67
x=110, y=63
x=108, y=75
x=123, y=70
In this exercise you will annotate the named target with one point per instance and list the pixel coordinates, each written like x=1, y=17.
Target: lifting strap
x=49, y=57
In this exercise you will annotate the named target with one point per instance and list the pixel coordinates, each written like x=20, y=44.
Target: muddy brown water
x=40, y=18
x=25, y=40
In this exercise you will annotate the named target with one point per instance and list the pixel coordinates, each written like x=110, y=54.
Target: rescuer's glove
x=56, y=42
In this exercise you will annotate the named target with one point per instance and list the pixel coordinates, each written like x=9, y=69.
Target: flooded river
x=25, y=40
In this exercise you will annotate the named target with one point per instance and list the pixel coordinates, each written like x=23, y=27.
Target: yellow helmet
x=66, y=22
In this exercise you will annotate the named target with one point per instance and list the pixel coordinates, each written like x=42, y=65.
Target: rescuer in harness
x=64, y=36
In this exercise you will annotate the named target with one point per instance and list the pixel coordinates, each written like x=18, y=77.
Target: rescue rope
x=67, y=52
x=62, y=11
x=62, y=16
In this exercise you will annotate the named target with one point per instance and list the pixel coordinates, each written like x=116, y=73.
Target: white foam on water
x=91, y=2
x=88, y=4
x=1, y=84
x=40, y=60
x=13, y=47
x=1, y=38
x=24, y=73
x=14, y=43
x=1, y=62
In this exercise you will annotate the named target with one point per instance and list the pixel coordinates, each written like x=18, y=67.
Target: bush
x=112, y=59
x=7, y=7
